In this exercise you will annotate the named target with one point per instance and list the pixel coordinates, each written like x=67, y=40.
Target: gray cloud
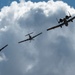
x=51, y=53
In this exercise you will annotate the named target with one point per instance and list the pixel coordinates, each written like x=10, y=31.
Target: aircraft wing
x=71, y=19
x=23, y=41
x=60, y=25
x=37, y=35
x=3, y=47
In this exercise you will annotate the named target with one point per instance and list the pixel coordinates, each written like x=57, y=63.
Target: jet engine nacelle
x=60, y=20
x=67, y=17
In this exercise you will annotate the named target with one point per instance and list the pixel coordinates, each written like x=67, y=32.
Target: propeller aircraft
x=30, y=37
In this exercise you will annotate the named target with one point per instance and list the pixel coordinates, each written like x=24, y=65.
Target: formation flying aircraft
x=63, y=21
x=30, y=37
x=3, y=47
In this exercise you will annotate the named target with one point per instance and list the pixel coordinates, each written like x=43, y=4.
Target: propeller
x=57, y=19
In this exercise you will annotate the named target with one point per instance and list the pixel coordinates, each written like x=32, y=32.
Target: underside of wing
x=71, y=19
x=60, y=25
x=37, y=35
x=3, y=47
x=23, y=41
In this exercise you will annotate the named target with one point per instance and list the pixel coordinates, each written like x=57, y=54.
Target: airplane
x=3, y=47
x=30, y=37
x=65, y=22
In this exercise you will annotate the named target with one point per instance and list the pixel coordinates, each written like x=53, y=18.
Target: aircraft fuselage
x=30, y=38
x=65, y=22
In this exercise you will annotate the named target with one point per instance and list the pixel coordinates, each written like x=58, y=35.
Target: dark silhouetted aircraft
x=30, y=37
x=3, y=47
x=64, y=21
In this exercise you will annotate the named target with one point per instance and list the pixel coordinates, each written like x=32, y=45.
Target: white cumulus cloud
x=52, y=53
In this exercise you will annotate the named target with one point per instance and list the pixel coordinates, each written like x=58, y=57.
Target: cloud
x=2, y=57
x=52, y=53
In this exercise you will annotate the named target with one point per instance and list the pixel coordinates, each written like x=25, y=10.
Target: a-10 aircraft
x=30, y=37
x=63, y=21
x=3, y=47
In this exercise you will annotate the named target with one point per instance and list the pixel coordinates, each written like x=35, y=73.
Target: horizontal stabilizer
x=29, y=34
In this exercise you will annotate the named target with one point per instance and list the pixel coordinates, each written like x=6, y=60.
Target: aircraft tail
x=29, y=34
x=69, y=14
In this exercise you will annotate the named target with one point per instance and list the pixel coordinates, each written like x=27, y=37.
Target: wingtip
x=48, y=29
x=41, y=33
x=7, y=45
x=18, y=42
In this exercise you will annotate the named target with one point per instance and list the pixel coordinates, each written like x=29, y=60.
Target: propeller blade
x=57, y=19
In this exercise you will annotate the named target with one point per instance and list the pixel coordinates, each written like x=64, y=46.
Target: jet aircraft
x=64, y=22
x=3, y=47
x=30, y=37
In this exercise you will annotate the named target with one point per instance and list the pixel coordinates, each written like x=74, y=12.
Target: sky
x=51, y=53
x=8, y=2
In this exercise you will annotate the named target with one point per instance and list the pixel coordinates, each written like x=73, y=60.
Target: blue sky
x=7, y=2
x=70, y=2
